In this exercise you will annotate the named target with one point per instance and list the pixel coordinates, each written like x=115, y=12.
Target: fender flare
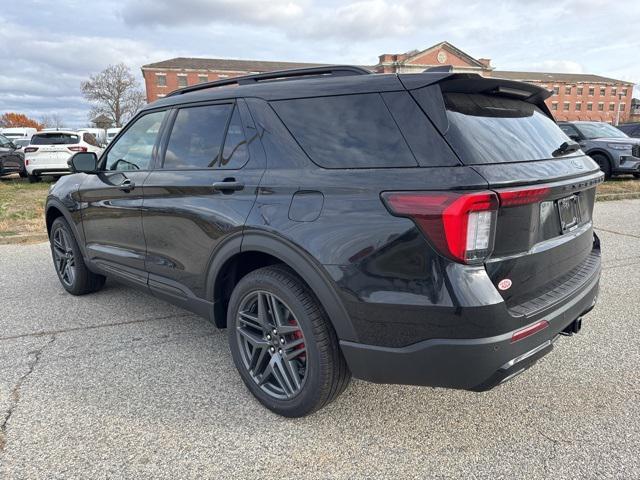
x=53, y=202
x=299, y=260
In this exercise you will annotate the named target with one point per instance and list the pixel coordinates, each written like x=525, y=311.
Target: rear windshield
x=349, y=131
x=54, y=139
x=492, y=129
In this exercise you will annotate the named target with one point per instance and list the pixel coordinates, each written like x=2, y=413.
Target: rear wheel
x=604, y=164
x=72, y=272
x=34, y=178
x=283, y=344
x=23, y=174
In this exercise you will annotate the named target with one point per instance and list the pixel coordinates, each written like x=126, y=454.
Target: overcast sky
x=48, y=47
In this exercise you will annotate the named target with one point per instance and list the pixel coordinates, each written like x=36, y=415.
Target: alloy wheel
x=272, y=345
x=63, y=257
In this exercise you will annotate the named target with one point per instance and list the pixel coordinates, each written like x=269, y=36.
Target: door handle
x=127, y=185
x=228, y=185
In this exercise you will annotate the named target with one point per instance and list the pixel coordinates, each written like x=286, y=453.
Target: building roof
x=447, y=46
x=555, y=77
x=184, y=63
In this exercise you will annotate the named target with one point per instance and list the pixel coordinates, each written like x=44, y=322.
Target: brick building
x=575, y=96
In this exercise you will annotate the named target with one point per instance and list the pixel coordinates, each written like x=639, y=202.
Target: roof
x=555, y=77
x=183, y=63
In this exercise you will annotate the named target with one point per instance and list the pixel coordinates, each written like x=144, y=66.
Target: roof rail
x=328, y=71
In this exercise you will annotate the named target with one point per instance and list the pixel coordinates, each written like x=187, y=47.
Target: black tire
x=34, y=178
x=326, y=374
x=23, y=174
x=636, y=175
x=604, y=164
x=72, y=272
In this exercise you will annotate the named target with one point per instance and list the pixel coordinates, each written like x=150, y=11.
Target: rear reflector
x=522, y=196
x=460, y=225
x=30, y=149
x=78, y=149
x=528, y=331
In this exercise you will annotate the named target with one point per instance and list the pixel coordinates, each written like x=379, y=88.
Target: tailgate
x=544, y=245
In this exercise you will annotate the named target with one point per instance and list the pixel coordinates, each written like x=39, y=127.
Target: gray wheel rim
x=272, y=345
x=63, y=257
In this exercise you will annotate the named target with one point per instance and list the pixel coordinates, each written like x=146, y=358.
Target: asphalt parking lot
x=121, y=385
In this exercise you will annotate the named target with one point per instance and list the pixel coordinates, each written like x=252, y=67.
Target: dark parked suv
x=428, y=229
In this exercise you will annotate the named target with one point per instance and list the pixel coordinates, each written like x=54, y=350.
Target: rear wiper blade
x=566, y=147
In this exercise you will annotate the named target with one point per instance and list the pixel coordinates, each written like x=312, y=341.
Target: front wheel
x=283, y=344
x=72, y=272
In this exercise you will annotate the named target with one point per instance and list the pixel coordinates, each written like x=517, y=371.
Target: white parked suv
x=49, y=151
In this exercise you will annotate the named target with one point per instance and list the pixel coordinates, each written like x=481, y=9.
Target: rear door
x=200, y=195
x=112, y=199
x=544, y=241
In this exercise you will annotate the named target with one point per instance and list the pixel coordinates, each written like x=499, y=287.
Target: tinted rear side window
x=196, y=137
x=54, y=139
x=492, y=129
x=350, y=131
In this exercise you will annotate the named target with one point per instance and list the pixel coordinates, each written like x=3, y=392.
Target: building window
x=580, y=90
x=565, y=107
x=600, y=106
x=182, y=80
x=589, y=106
x=556, y=90
x=554, y=105
x=592, y=91
x=624, y=92
x=613, y=91
x=161, y=80
x=612, y=107
x=622, y=107
x=578, y=106
x=603, y=91
x=567, y=90
x=202, y=78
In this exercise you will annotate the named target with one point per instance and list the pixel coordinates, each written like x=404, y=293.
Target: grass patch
x=619, y=188
x=22, y=207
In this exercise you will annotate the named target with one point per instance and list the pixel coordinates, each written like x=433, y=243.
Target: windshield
x=494, y=129
x=599, y=130
x=54, y=139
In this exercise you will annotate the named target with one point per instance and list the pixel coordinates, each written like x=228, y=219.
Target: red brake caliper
x=298, y=335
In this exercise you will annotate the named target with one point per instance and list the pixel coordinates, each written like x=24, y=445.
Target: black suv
x=427, y=229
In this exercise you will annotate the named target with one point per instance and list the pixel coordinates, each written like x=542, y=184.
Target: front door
x=112, y=200
x=201, y=193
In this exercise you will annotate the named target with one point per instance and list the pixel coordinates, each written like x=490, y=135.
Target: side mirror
x=83, y=162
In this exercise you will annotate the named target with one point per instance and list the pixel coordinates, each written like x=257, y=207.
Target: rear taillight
x=461, y=226
x=522, y=196
x=30, y=149
x=78, y=149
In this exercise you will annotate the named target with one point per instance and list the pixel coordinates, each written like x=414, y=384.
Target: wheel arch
x=260, y=249
x=604, y=153
x=56, y=209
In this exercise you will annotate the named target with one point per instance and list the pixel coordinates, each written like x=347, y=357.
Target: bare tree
x=53, y=120
x=114, y=92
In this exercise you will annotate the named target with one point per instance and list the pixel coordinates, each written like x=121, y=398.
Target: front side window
x=196, y=137
x=134, y=149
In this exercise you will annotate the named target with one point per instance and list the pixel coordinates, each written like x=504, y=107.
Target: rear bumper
x=469, y=364
x=45, y=165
